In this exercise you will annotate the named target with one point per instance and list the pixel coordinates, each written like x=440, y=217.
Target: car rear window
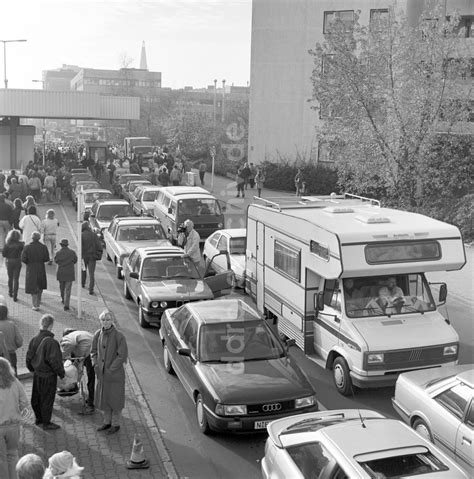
x=107, y=212
x=91, y=197
x=238, y=245
x=141, y=233
x=150, y=195
x=415, y=464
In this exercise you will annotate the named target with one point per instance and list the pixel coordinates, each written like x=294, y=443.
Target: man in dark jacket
x=91, y=251
x=65, y=258
x=6, y=219
x=35, y=255
x=44, y=360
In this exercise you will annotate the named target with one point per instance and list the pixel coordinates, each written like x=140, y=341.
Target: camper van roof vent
x=339, y=209
x=370, y=220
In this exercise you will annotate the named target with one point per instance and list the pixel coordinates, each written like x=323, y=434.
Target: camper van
x=345, y=278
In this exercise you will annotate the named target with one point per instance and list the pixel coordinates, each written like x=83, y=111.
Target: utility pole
x=223, y=101
x=5, y=58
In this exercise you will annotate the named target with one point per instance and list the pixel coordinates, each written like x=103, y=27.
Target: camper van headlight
x=451, y=350
x=375, y=358
x=154, y=304
x=163, y=304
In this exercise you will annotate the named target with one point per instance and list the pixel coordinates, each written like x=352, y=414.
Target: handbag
x=98, y=254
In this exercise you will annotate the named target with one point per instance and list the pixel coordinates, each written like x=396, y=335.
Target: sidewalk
x=102, y=456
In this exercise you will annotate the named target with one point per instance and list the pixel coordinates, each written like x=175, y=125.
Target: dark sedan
x=233, y=366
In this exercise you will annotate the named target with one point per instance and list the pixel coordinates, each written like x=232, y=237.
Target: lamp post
x=223, y=101
x=44, y=125
x=5, y=58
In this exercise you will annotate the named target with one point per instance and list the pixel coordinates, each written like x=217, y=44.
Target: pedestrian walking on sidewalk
x=299, y=180
x=13, y=402
x=176, y=176
x=17, y=210
x=12, y=254
x=12, y=336
x=259, y=180
x=30, y=466
x=30, y=223
x=202, y=171
x=109, y=353
x=44, y=360
x=78, y=344
x=50, y=231
x=91, y=251
x=66, y=260
x=61, y=465
x=35, y=255
x=6, y=218
x=240, y=180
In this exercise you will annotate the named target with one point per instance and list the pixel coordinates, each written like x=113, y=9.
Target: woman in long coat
x=35, y=255
x=109, y=353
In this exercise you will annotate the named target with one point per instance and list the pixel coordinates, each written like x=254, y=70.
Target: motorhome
x=345, y=278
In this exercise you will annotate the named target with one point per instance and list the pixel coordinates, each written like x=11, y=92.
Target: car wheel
x=118, y=272
x=422, y=429
x=167, y=360
x=126, y=292
x=341, y=376
x=201, y=416
x=141, y=318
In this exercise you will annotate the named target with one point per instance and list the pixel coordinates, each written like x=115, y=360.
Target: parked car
x=85, y=185
x=143, y=199
x=162, y=277
x=79, y=170
x=94, y=194
x=104, y=211
x=438, y=403
x=233, y=241
x=74, y=178
x=124, y=178
x=351, y=444
x=125, y=234
x=130, y=186
x=233, y=366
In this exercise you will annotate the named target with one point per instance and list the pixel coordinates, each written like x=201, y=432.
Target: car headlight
x=163, y=304
x=305, y=402
x=231, y=410
x=154, y=304
x=450, y=350
x=375, y=358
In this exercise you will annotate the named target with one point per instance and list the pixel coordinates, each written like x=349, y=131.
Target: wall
x=24, y=146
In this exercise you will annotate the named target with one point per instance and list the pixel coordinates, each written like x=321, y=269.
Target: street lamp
x=44, y=125
x=5, y=58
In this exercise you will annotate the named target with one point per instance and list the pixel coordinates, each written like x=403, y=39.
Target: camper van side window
x=287, y=260
x=319, y=250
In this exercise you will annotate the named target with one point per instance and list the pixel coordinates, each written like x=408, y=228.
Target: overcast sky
x=192, y=42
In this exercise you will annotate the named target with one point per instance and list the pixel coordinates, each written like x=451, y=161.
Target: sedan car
x=129, y=188
x=85, y=185
x=438, y=403
x=126, y=234
x=234, y=242
x=124, y=178
x=104, y=211
x=162, y=277
x=94, y=194
x=351, y=444
x=233, y=366
x=143, y=199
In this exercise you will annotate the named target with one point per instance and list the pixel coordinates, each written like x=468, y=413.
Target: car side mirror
x=443, y=293
x=318, y=302
x=290, y=342
x=170, y=211
x=185, y=352
x=210, y=273
x=134, y=275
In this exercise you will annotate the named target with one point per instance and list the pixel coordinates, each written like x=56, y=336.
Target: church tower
x=143, y=64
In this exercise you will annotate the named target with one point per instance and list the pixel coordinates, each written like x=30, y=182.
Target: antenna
x=361, y=419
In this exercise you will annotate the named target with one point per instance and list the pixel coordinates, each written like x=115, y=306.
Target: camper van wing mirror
x=170, y=211
x=318, y=302
x=443, y=293
x=223, y=205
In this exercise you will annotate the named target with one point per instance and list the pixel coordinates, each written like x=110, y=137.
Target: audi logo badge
x=271, y=407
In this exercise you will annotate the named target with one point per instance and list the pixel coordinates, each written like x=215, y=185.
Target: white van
x=175, y=204
x=346, y=279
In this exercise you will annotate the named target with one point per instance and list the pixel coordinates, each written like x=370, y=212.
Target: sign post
x=213, y=157
x=80, y=203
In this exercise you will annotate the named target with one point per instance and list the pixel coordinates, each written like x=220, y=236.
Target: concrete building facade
x=281, y=121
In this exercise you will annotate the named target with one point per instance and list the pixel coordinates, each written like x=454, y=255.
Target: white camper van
x=346, y=279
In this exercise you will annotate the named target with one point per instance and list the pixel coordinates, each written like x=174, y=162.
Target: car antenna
x=361, y=419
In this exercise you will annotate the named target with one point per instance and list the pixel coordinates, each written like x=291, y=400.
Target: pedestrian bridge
x=16, y=140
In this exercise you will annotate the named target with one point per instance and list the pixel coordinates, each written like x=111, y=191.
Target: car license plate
x=261, y=424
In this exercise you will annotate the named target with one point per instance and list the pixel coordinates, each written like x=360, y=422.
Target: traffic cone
x=137, y=457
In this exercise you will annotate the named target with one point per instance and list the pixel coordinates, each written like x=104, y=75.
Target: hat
x=189, y=223
x=64, y=464
x=64, y=242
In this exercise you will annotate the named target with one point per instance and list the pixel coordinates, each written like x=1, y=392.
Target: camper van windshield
x=199, y=207
x=387, y=295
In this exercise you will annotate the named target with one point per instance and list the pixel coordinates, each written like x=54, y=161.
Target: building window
x=344, y=16
x=378, y=19
x=287, y=260
x=327, y=62
x=466, y=26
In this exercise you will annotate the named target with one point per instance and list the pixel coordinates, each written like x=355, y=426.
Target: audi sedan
x=233, y=366
x=439, y=404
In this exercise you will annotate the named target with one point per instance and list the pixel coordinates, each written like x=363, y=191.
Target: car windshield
x=238, y=245
x=85, y=186
x=124, y=179
x=150, y=195
x=169, y=268
x=404, y=465
x=198, y=207
x=238, y=341
x=141, y=233
x=107, y=212
x=91, y=197
x=387, y=295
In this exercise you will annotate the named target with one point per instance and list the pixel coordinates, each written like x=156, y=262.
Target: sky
x=192, y=42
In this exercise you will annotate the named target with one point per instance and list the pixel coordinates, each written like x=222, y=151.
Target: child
x=50, y=229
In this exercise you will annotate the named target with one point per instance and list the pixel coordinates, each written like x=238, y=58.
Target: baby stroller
x=73, y=383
